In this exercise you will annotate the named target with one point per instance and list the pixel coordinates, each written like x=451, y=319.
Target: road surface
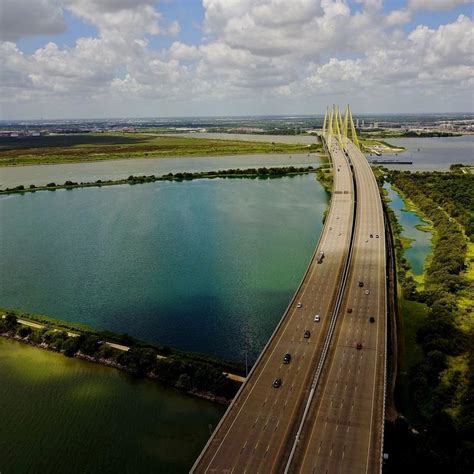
x=257, y=430
x=343, y=432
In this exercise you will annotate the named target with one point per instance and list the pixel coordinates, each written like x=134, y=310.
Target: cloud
x=183, y=51
x=20, y=18
x=274, y=52
x=425, y=62
x=436, y=5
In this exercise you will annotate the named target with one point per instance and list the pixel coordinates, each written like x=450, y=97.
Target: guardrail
x=272, y=337
x=332, y=325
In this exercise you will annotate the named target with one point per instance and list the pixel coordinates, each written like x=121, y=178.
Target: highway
x=344, y=428
x=256, y=433
x=328, y=414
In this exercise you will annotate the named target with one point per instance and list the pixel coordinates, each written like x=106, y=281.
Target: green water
x=205, y=265
x=420, y=246
x=60, y=415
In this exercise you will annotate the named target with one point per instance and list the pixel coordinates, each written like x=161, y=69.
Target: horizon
x=184, y=117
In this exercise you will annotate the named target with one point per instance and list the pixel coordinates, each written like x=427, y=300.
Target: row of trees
x=262, y=172
x=444, y=442
x=185, y=374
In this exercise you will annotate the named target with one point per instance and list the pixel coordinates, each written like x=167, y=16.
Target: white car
x=367, y=292
x=299, y=305
x=317, y=318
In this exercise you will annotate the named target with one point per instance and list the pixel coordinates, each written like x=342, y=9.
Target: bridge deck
x=344, y=429
x=259, y=426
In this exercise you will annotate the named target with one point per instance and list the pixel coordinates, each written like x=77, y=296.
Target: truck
x=320, y=257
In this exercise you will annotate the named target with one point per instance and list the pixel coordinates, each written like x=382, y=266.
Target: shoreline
x=112, y=364
x=260, y=173
x=137, y=358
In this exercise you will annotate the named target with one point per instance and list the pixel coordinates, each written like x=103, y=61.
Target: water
x=432, y=153
x=421, y=245
x=65, y=415
x=120, y=169
x=253, y=137
x=205, y=265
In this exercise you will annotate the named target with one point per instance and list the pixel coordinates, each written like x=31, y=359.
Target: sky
x=145, y=58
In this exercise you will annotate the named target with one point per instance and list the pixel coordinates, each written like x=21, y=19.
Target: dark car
x=307, y=334
x=361, y=284
x=349, y=310
x=277, y=383
x=372, y=319
x=359, y=346
x=287, y=358
x=371, y=236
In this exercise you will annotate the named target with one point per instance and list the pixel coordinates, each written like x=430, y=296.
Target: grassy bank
x=55, y=149
x=193, y=373
x=261, y=173
x=325, y=177
x=407, y=134
x=370, y=145
x=435, y=385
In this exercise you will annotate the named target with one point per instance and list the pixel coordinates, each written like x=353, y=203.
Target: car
x=317, y=318
x=376, y=236
x=359, y=346
x=361, y=284
x=371, y=236
x=367, y=240
x=337, y=217
x=340, y=233
x=307, y=334
x=299, y=305
x=277, y=383
x=372, y=319
x=349, y=310
x=367, y=292
x=287, y=358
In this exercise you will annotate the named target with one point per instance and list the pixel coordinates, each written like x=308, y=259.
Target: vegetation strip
x=441, y=378
x=261, y=173
x=76, y=148
x=196, y=374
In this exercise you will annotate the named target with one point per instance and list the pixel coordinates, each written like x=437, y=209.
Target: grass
x=325, y=177
x=456, y=375
x=94, y=147
x=125, y=339
x=466, y=299
x=411, y=316
x=381, y=144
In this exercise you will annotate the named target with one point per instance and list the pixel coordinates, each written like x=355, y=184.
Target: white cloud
x=273, y=52
x=183, y=51
x=398, y=17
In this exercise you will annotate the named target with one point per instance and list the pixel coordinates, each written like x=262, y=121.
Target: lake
x=203, y=265
x=119, y=169
x=65, y=415
x=420, y=246
x=432, y=153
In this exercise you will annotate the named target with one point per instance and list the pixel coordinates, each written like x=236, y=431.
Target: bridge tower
x=325, y=121
x=353, y=131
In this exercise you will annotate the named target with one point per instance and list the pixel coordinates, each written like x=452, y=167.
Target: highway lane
x=258, y=427
x=343, y=432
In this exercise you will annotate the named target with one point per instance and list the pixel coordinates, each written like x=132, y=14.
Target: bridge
x=327, y=414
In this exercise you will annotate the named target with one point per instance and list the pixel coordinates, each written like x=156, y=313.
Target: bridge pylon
x=353, y=131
